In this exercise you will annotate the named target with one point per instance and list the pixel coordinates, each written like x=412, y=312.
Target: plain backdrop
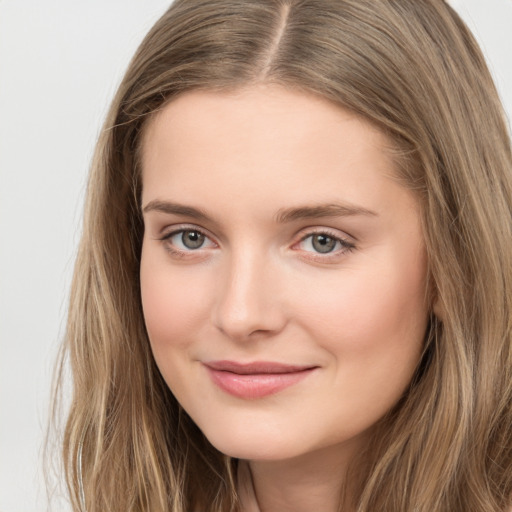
x=60, y=62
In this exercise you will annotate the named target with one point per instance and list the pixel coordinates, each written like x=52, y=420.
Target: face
x=283, y=270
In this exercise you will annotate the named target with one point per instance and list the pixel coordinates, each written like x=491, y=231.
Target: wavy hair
x=413, y=69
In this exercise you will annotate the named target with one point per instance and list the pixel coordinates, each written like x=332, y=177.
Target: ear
x=438, y=308
x=434, y=299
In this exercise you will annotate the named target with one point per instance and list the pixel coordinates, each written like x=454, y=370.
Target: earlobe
x=438, y=308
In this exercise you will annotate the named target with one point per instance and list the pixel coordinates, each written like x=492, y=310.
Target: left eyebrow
x=323, y=210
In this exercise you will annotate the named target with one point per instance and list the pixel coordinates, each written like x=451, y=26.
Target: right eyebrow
x=176, y=209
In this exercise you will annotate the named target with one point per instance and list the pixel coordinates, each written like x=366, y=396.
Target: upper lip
x=256, y=367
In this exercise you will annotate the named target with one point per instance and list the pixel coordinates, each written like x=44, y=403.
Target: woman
x=294, y=283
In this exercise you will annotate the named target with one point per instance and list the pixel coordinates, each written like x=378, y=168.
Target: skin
x=259, y=290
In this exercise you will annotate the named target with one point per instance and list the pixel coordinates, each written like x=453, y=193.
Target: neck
x=314, y=481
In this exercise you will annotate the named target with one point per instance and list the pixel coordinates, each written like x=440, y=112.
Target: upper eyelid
x=332, y=232
x=169, y=231
x=345, y=243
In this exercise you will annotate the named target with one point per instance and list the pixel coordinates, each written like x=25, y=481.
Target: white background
x=60, y=62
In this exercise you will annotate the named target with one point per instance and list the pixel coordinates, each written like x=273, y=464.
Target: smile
x=255, y=380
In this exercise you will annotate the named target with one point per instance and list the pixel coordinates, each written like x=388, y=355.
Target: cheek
x=373, y=323
x=171, y=304
x=384, y=312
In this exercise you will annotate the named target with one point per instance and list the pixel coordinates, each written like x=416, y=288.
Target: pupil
x=192, y=239
x=323, y=243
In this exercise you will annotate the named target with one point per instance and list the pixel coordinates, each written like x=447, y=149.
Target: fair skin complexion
x=276, y=232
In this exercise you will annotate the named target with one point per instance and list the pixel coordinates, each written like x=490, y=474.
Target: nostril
x=248, y=320
x=246, y=306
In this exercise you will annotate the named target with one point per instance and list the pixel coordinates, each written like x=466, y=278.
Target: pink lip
x=257, y=379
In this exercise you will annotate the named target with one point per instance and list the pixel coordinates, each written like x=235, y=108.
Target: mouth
x=258, y=379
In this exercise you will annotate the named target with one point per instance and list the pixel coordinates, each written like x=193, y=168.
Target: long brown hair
x=412, y=68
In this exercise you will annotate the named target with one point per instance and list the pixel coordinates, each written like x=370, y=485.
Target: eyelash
x=346, y=245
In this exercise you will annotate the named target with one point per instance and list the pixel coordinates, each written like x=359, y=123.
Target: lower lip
x=258, y=385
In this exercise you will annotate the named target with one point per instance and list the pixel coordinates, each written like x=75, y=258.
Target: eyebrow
x=175, y=209
x=323, y=210
x=283, y=216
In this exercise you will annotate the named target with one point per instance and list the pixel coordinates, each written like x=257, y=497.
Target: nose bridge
x=246, y=302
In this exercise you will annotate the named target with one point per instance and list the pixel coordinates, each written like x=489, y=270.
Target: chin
x=260, y=445
x=254, y=451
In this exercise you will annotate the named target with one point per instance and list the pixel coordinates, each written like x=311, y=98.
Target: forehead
x=264, y=140
x=250, y=107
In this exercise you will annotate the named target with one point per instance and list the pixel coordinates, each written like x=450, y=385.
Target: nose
x=248, y=306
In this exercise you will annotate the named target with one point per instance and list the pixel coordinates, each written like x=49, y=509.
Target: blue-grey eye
x=192, y=239
x=323, y=243
x=183, y=241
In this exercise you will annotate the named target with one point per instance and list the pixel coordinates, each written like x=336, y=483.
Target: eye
x=322, y=243
x=187, y=240
x=191, y=239
x=325, y=243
